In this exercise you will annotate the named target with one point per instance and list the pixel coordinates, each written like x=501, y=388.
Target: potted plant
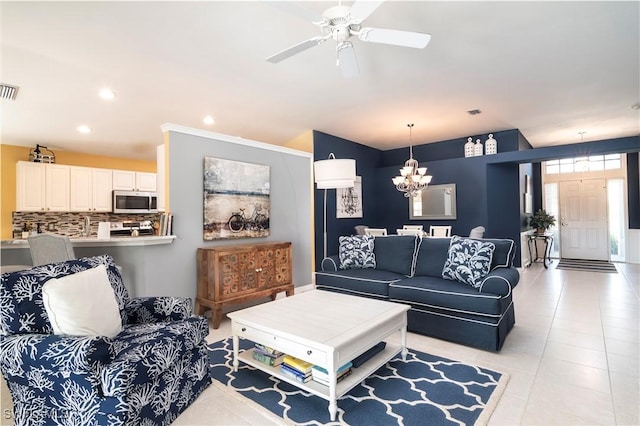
x=542, y=221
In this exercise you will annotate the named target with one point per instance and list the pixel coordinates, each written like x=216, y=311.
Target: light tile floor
x=573, y=356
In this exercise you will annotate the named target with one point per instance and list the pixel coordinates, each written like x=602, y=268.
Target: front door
x=583, y=220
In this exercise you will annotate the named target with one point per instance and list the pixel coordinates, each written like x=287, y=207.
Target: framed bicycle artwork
x=236, y=199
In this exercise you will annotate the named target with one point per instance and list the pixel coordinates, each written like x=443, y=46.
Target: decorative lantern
x=468, y=148
x=491, y=145
x=477, y=148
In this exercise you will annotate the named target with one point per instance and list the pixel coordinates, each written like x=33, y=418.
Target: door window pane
x=615, y=201
x=551, y=204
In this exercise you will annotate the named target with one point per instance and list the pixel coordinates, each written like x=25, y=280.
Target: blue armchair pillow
x=468, y=261
x=356, y=252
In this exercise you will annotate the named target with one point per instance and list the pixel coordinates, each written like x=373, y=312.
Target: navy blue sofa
x=409, y=270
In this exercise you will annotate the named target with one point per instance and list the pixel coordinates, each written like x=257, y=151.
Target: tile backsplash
x=70, y=224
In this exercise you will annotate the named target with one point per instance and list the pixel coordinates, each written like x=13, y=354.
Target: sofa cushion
x=396, y=253
x=504, y=253
x=359, y=282
x=356, y=252
x=468, y=261
x=23, y=309
x=432, y=255
x=456, y=298
x=82, y=304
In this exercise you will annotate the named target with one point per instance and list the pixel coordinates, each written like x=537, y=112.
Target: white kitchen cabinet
x=146, y=181
x=30, y=190
x=42, y=187
x=102, y=182
x=57, y=187
x=90, y=189
x=126, y=180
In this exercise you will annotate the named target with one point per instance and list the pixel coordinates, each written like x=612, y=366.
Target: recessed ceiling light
x=635, y=107
x=474, y=112
x=208, y=120
x=107, y=93
x=84, y=129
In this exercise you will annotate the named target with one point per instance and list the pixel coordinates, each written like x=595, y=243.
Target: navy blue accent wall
x=489, y=188
x=608, y=146
x=523, y=143
x=508, y=140
x=633, y=190
x=524, y=170
x=503, y=203
x=537, y=186
x=367, y=160
x=469, y=176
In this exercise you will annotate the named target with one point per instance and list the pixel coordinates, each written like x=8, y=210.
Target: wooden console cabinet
x=230, y=275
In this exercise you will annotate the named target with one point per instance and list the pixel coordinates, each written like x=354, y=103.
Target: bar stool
x=50, y=248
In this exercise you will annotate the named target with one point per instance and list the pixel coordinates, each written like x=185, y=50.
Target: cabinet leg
x=216, y=317
x=289, y=292
x=198, y=308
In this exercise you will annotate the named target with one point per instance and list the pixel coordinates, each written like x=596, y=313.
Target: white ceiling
x=550, y=69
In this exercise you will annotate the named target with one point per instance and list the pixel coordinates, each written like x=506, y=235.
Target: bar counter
x=95, y=242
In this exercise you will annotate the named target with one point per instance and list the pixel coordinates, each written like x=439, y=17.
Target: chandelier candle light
x=412, y=178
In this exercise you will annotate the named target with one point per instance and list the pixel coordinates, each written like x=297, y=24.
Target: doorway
x=588, y=194
x=584, y=232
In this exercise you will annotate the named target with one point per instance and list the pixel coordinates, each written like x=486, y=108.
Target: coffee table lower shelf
x=357, y=374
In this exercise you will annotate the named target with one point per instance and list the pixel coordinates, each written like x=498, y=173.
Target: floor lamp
x=333, y=173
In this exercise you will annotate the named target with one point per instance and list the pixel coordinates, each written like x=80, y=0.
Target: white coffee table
x=326, y=329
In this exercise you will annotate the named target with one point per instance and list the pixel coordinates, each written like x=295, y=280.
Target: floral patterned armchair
x=146, y=375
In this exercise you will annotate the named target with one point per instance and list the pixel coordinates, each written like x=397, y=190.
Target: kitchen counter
x=95, y=242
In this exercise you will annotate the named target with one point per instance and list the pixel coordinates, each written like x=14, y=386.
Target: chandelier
x=412, y=178
x=349, y=201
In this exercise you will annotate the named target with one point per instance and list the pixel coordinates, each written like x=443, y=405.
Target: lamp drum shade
x=335, y=173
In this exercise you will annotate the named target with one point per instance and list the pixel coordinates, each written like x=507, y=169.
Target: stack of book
x=296, y=369
x=321, y=375
x=267, y=355
x=166, y=224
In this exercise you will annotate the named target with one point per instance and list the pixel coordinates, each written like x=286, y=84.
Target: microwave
x=135, y=202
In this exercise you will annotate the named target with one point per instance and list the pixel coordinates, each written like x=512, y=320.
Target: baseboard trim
x=304, y=288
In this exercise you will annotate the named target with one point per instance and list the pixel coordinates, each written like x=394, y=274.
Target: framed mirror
x=434, y=202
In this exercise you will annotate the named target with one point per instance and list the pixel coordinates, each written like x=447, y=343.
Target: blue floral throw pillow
x=468, y=261
x=356, y=252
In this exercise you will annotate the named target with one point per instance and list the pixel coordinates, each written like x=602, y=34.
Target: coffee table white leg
x=403, y=340
x=333, y=404
x=236, y=346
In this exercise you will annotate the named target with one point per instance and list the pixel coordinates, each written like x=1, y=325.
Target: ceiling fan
x=341, y=23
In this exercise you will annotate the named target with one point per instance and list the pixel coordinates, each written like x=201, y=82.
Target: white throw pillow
x=82, y=304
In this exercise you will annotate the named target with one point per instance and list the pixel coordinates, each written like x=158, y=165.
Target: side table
x=532, y=239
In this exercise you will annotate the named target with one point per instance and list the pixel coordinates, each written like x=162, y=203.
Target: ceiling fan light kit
x=341, y=23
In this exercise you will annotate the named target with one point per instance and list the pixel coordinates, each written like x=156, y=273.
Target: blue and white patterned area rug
x=424, y=390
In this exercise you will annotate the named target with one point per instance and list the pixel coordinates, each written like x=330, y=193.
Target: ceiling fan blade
x=300, y=47
x=347, y=60
x=295, y=8
x=396, y=37
x=361, y=9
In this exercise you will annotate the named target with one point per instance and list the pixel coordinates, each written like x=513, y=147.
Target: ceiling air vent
x=8, y=92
